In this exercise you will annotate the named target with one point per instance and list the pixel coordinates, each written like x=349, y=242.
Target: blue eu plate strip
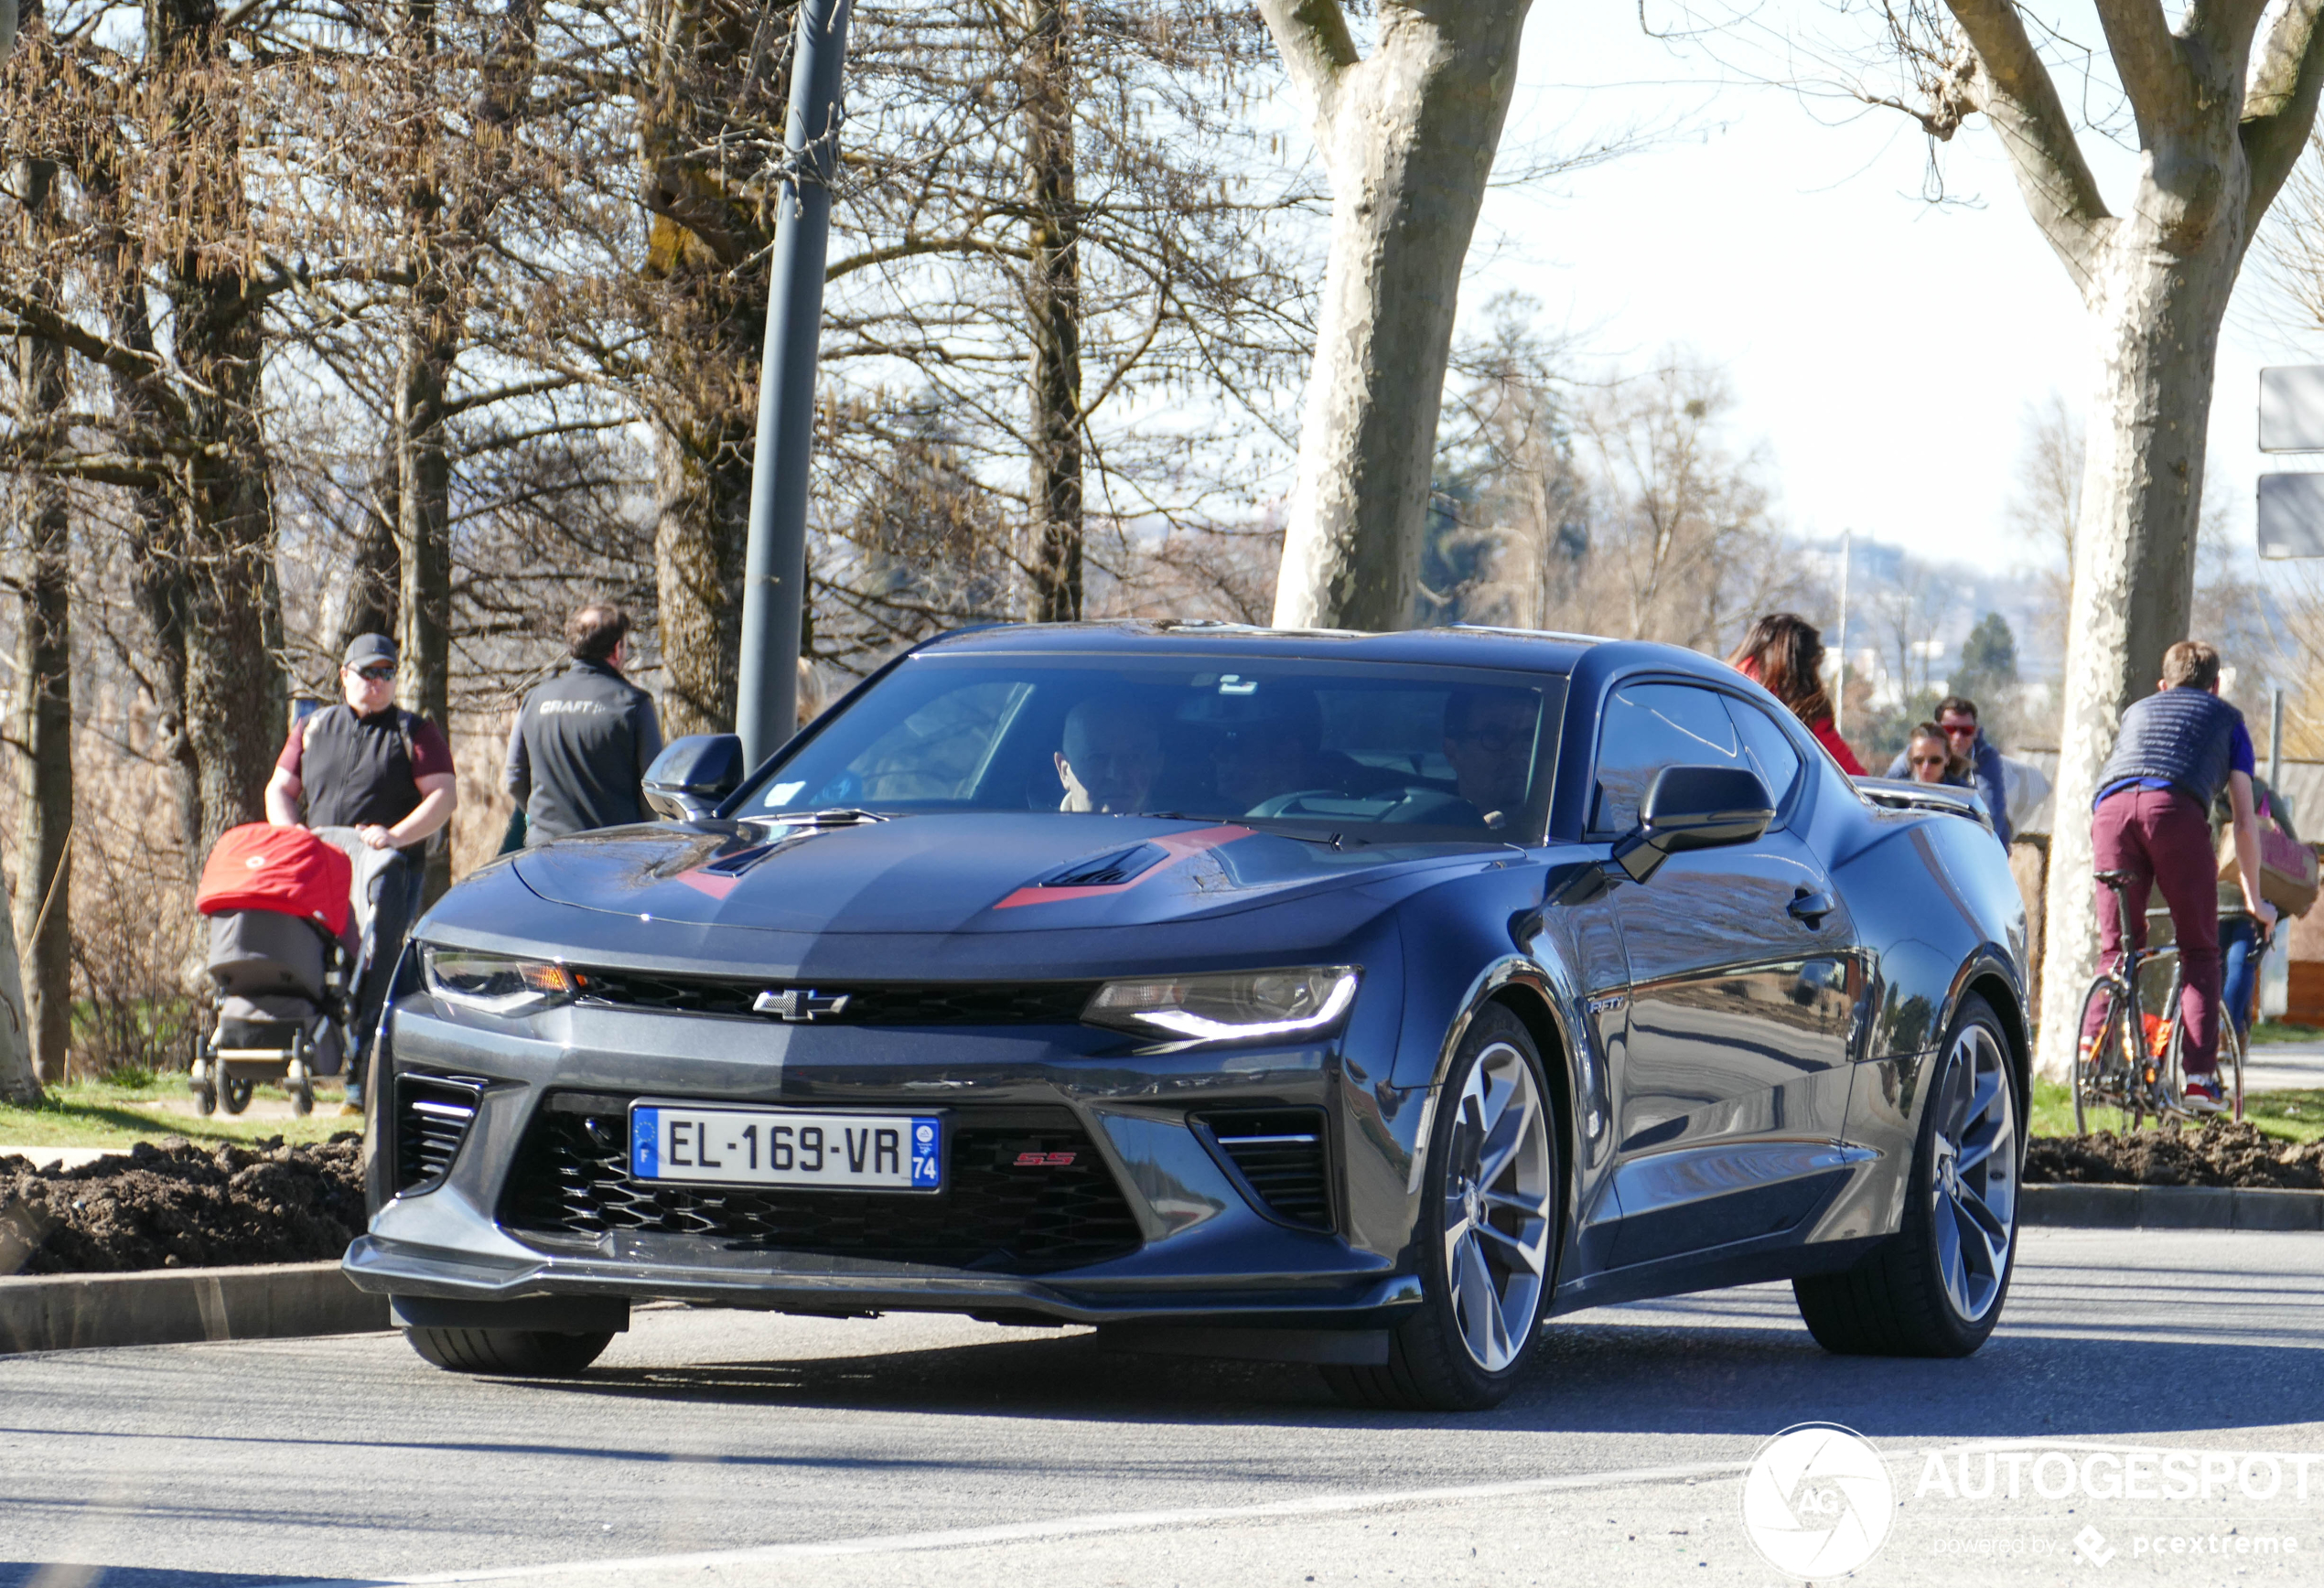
x=645, y=1137
x=928, y=1155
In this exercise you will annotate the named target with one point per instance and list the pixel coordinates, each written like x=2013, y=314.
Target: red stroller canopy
x=286, y=870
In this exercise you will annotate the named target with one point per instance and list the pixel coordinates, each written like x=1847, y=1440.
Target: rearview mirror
x=1694, y=807
x=693, y=774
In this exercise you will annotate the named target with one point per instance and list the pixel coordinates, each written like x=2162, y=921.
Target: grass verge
x=2295, y=1116
x=118, y=1113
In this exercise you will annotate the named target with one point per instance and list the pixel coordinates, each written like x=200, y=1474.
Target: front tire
x=1488, y=1233
x=512, y=1353
x=1936, y=1287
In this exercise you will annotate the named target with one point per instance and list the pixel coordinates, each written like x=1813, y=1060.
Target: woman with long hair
x=1784, y=654
x=1929, y=756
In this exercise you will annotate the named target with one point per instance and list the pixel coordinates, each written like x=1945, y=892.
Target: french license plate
x=787, y=1147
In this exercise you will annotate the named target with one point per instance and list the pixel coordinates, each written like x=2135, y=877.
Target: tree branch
x=2279, y=105
x=1317, y=48
x=35, y=319
x=2020, y=99
x=2147, y=57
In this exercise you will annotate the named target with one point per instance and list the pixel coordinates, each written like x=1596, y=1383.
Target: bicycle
x=2131, y=1070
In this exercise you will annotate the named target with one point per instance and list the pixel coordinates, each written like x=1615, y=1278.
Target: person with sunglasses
x=1928, y=758
x=368, y=764
x=1957, y=721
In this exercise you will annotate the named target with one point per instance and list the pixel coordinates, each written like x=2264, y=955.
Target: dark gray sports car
x=1361, y=1000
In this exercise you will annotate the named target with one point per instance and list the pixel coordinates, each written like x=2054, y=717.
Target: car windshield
x=1367, y=752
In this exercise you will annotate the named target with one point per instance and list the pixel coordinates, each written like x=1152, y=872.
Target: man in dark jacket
x=370, y=765
x=584, y=739
x=2177, y=751
x=1957, y=716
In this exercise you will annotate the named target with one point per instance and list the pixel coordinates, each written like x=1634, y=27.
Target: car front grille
x=867, y=1003
x=433, y=1114
x=1281, y=1153
x=1025, y=1192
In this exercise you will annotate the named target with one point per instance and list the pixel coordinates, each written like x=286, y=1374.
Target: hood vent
x=1107, y=870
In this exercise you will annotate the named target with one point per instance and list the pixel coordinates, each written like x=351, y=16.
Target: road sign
x=2291, y=408
x=2291, y=515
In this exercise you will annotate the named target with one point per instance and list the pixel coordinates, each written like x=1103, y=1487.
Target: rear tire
x=1487, y=1235
x=2104, y=1077
x=1936, y=1287
x=512, y=1353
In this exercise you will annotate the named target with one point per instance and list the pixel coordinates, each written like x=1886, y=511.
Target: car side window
x=1646, y=727
x=1767, y=747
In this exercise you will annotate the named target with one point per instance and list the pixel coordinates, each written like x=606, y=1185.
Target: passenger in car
x=1111, y=753
x=1488, y=739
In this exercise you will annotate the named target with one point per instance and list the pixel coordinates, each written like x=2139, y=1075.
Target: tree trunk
x=44, y=728
x=1407, y=136
x=2159, y=313
x=702, y=526
x=18, y=1084
x=707, y=252
x=1053, y=304
x=375, y=583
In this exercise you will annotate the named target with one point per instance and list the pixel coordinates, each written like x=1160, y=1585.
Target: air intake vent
x=433, y=1114
x=1108, y=870
x=1281, y=1155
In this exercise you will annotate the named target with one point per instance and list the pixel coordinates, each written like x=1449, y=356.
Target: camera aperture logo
x=1817, y=1501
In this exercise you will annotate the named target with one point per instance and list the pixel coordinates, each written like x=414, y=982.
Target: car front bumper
x=1208, y=1250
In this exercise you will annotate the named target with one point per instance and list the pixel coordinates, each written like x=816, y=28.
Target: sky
x=1884, y=349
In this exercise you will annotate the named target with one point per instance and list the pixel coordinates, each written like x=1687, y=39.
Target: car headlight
x=1230, y=1005
x=495, y=983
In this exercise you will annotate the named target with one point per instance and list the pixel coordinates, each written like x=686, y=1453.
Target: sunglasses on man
x=378, y=672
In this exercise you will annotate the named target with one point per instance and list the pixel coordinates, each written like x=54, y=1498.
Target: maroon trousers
x=2161, y=836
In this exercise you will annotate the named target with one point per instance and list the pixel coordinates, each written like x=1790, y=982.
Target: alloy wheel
x=1974, y=1184
x=1498, y=1205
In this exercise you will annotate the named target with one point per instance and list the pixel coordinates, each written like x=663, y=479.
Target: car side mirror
x=1694, y=807
x=693, y=774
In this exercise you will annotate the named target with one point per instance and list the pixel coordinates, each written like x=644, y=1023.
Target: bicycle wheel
x=2107, y=1067
x=2231, y=1065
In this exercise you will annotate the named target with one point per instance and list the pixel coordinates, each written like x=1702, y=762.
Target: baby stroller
x=291, y=917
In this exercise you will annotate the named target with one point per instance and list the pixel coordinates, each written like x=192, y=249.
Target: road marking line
x=1073, y=1527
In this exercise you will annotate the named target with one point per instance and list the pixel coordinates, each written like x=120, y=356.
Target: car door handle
x=1812, y=908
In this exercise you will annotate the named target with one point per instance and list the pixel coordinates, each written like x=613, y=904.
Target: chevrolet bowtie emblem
x=800, y=1004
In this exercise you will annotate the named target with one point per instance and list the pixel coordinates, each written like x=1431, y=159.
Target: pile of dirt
x=2221, y=1153
x=179, y=1206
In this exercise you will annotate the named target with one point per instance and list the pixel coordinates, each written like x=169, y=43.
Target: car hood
x=1038, y=872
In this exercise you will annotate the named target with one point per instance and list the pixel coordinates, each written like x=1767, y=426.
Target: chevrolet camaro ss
x=1364, y=999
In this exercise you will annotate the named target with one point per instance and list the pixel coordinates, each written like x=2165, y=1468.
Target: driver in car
x=1112, y=754
x=1488, y=739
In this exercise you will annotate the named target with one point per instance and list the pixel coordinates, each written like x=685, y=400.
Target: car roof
x=1519, y=650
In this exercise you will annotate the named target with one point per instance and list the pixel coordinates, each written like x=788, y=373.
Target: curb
x=2169, y=1207
x=69, y=1311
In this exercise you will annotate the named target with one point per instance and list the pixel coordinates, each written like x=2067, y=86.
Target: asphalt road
x=711, y=1448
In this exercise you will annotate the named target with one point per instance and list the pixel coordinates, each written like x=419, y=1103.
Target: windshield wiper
x=838, y=817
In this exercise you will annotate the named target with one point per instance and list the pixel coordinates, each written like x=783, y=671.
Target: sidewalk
x=2285, y=1067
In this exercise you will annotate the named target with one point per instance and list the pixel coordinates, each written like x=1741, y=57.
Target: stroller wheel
x=205, y=1096
x=301, y=1086
x=236, y=1093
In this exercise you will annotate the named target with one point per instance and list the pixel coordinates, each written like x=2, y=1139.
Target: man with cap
x=584, y=739
x=370, y=765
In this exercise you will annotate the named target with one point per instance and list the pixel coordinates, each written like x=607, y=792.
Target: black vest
x=357, y=771
x=2181, y=735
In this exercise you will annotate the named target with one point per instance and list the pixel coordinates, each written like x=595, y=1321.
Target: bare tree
x=2220, y=112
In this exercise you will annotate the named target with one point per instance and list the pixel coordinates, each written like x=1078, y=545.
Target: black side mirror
x=1694, y=807
x=692, y=775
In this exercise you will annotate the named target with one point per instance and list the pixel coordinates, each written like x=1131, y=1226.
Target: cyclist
x=2177, y=750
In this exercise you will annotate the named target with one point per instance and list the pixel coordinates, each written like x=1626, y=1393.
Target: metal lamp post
x=774, y=569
